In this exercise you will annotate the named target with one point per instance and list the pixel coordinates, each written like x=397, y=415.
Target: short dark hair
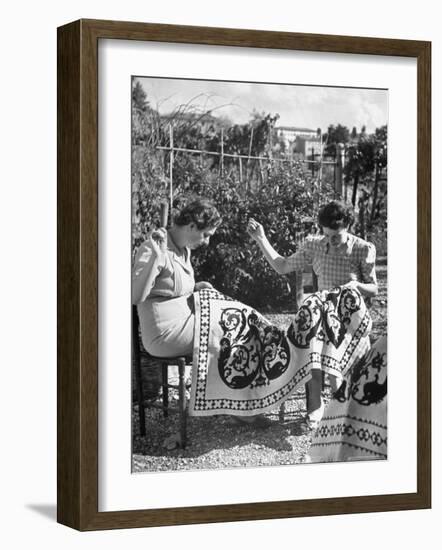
x=201, y=212
x=335, y=215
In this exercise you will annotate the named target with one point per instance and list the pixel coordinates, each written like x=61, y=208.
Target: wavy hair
x=201, y=212
x=335, y=215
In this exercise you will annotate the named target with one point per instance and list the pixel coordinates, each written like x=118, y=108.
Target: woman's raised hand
x=158, y=241
x=255, y=230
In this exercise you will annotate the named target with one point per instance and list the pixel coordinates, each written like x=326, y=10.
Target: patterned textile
x=354, y=425
x=244, y=365
x=353, y=260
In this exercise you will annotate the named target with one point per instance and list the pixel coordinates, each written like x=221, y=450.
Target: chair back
x=302, y=281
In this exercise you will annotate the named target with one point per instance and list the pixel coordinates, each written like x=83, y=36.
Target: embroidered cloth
x=354, y=425
x=244, y=365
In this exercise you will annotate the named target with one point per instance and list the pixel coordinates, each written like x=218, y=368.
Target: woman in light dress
x=163, y=280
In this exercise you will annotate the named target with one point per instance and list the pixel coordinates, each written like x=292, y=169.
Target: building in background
x=304, y=141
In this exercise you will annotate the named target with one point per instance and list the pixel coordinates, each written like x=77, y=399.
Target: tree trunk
x=355, y=189
x=362, y=217
x=375, y=193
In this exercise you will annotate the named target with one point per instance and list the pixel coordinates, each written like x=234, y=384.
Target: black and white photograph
x=259, y=274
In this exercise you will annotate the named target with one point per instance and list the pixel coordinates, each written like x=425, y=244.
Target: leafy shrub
x=232, y=262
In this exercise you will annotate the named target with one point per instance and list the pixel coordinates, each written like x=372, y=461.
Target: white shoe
x=316, y=415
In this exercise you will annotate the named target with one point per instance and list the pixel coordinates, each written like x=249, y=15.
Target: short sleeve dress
x=166, y=309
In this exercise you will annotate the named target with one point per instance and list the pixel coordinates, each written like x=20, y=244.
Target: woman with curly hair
x=163, y=280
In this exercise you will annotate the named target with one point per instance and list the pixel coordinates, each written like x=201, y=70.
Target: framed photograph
x=243, y=227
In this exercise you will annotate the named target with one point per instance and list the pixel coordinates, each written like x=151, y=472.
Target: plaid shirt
x=353, y=260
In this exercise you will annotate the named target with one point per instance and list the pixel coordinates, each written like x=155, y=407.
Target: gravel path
x=220, y=442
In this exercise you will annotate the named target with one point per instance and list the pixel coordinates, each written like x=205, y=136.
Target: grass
x=219, y=442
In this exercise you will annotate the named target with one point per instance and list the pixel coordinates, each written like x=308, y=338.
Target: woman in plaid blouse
x=338, y=258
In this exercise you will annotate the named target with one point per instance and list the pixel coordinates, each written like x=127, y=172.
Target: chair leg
x=165, y=379
x=138, y=376
x=182, y=402
x=140, y=399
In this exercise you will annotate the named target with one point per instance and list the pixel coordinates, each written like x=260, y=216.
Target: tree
x=334, y=135
x=365, y=166
x=380, y=138
x=139, y=97
x=360, y=161
x=144, y=118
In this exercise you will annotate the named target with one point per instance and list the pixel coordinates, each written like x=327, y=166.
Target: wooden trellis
x=172, y=149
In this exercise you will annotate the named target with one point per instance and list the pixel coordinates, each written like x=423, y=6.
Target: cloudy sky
x=306, y=106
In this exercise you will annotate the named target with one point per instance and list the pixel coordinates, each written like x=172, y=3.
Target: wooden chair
x=164, y=363
x=303, y=282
